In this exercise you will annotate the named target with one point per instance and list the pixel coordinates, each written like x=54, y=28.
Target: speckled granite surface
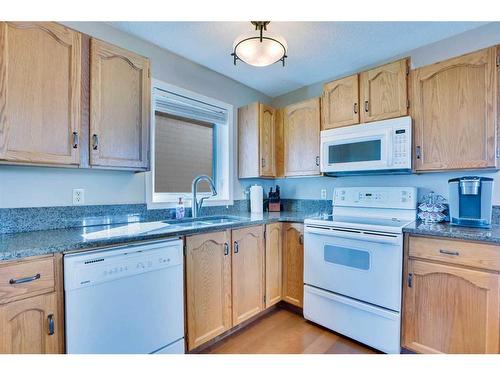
x=21, y=245
x=452, y=231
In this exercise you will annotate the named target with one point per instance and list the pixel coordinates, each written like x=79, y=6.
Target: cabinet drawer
x=456, y=252
x=26, y=279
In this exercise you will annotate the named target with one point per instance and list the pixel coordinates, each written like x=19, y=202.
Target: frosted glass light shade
x=253, y=51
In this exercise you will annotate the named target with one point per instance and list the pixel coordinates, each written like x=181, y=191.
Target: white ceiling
x=317, y=50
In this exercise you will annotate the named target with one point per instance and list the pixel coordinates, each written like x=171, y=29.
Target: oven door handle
x=356, y=235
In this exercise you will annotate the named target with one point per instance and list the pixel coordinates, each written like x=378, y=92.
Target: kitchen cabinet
x=247, y=273
x=293, y=263
x=31, y=306
x=301, y=124
x=40, y=93
x=449, y=306
x=384, y=91
x=208, y=286
x=340, y=103
x=256, y=135
x=279, y=145
x=273, y=262
x=119, y=107
x=454, y=113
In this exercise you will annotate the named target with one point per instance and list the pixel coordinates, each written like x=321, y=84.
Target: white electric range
x=353, y=263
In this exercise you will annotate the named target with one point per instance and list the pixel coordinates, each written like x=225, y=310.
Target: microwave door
x=359, y=153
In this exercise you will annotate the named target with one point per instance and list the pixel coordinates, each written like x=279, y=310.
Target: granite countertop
x=491, y=235
x=21, y=245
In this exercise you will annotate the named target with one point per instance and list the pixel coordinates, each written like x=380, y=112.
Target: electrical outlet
x=78, y=197
x=323, y=193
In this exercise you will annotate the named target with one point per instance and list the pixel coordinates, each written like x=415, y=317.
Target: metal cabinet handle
x=355, y=108
x=301, y=239
x=236, y=247
x=25, y=279
x=410, y=280
x=95, y=141
x=418, y=152
x=317, y=161
x=263, y=163
x=75, y=139
x=226, y=248
x=50, y=319
x=366, y=105
x=448, y=252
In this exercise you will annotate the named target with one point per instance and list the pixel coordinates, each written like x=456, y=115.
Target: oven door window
x=348, y=257
x=355, y=152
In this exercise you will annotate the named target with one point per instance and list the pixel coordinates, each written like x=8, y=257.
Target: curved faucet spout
x=195, y=206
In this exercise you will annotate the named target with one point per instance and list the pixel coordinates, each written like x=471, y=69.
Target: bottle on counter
x=179, y=209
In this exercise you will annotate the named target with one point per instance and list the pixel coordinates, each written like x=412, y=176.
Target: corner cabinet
x=384, y=91
x=454, y=113
x=40, y=93
x=119, y=108
x=301, y=128
x=450, y=305
x=256, y=141
x=293, y=263
x=340, y=103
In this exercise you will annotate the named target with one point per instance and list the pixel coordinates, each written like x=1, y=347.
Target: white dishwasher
x=127, y=299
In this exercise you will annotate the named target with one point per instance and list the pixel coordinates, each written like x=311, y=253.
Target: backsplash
x=13, y=220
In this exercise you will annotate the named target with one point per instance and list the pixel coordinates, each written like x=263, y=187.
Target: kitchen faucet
x=195, y=206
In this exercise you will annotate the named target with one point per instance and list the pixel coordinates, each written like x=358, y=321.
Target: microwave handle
x=390, y=148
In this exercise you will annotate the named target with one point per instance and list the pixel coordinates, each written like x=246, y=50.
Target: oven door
x=363, y=265
x=368, y=150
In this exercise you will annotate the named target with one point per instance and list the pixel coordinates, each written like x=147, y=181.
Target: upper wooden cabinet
x=208, y=286
x=256, y=140
x=340, y=103
x=120, y=106
x=451, y=298
x=40, y=93
x=454, y=113
x=293, y=263
x=384, y=91
x=247, y=273
x=301, y=123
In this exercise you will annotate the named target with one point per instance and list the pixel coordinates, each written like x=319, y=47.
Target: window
x=190, y=136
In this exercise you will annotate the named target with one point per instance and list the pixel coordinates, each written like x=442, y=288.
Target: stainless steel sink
x=207, y=222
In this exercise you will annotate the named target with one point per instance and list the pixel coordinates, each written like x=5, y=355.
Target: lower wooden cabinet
x=247, y=273
x=274, y=257
x=293, y=263
x=450, y=308
x=208, y=286
x=31, y=309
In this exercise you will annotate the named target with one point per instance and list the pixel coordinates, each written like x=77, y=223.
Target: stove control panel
x=376, y=197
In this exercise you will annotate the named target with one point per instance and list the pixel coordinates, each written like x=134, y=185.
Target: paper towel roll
x=256, y=199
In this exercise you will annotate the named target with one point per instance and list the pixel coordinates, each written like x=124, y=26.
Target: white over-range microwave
x=380, y=147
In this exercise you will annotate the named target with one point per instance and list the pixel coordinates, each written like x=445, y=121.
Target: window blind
x=181, y=106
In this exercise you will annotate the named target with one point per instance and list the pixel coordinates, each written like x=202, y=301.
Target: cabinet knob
x=95, y=142
x=366, y=106
x=301, y=239
x=50, y=320
x=355, y=108
x=236, y=247
x=418, y=152
x=226, y=248
x=317, y=161
x=410, y=280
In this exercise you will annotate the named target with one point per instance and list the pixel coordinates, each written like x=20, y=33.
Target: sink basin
x=206, y=222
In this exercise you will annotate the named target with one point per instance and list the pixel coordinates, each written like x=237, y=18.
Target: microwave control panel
x=401, y=148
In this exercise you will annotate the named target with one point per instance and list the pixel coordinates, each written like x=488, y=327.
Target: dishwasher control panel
x=107, y=265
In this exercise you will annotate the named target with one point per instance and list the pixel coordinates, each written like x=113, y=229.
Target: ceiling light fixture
x=259, y=50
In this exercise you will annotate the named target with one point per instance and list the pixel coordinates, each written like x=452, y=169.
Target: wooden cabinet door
x=40, y=93
x=266, y=141
x=248, y=141
x=27, y=328
x=120, y=104
x=248, y=273
x=384, y=91
x=340, y=103
x=293, y=263
x=453, y=105
x=449, y=309
x=301, y=134
x=273, y=264
x=208, y=286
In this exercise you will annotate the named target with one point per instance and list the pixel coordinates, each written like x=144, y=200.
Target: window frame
x=223, y=155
